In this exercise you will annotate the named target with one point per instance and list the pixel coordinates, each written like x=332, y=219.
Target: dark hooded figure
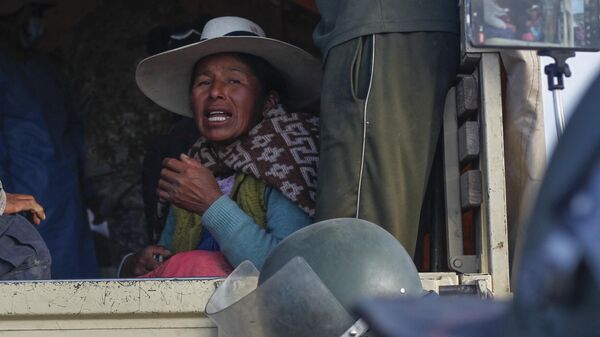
x=41, y=139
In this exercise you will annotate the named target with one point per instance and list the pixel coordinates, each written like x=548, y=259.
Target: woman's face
x=227, y=98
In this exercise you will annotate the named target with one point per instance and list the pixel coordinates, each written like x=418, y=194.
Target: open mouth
x=217, y=116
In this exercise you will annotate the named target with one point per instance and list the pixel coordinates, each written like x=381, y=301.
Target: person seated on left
x=42, y=146
x=23, y=253
x=250, y=179
x=15, y=203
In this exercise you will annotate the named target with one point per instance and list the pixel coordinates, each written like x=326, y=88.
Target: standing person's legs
x=381, y=113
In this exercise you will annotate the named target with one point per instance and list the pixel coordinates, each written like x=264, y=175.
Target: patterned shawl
x=281, y=150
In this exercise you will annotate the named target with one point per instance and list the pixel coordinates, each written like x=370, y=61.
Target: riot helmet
x=354, y=258
x=311, y=281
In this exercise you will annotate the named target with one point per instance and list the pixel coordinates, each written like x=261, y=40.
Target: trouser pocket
x=362, y=66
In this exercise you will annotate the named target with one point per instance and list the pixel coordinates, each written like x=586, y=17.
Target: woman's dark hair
x=269, y=78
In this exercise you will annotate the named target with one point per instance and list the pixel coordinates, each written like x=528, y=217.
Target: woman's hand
x=187, y=184
x=144, y=261
x=16, y=203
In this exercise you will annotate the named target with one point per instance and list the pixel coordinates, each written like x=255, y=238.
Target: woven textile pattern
x=281, y=150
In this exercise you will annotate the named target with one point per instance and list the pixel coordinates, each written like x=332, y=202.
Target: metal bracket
x=471, y=285
x=469, y=63
x=465, y=263
x=476, y=289
x=556, y=73
x=483, y=282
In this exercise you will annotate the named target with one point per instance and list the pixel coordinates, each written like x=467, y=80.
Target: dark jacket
x=343, y=20
x=41, y=154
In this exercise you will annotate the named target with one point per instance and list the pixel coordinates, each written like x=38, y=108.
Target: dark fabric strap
x=237, y=33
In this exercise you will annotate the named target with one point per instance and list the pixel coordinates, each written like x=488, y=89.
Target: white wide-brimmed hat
x=165, y=77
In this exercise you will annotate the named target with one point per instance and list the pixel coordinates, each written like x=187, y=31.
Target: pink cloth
x=527, y=37
x=195, y=263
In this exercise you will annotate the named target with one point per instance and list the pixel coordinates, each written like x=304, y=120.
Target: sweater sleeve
x=242, y=239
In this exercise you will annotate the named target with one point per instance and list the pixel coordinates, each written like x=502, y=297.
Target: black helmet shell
x=354, y=258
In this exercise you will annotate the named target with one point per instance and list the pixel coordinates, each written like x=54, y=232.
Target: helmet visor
x=293, y=302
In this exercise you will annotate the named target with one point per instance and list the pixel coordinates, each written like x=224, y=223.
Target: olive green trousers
x=381, y=115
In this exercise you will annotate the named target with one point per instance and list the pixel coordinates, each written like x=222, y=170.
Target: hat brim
x=165, y=77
